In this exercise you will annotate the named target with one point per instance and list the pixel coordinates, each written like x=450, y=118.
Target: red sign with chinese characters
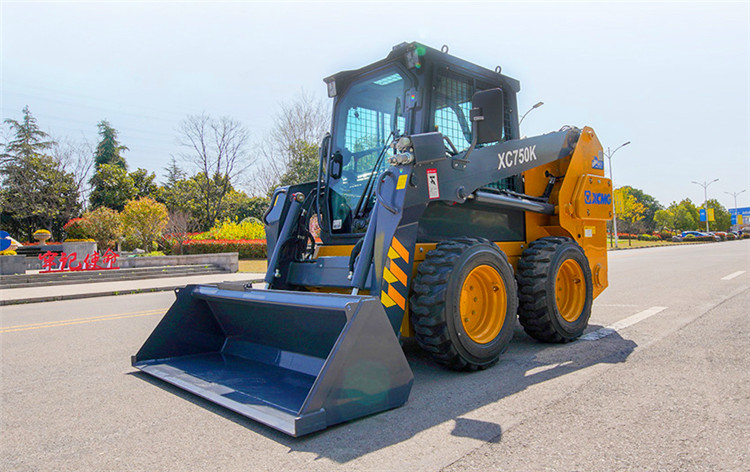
x=67, y=262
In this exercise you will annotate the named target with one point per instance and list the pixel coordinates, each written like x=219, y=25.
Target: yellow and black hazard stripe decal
x=394, y=291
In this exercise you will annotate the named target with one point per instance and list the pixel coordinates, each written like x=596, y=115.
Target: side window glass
x=451, y=102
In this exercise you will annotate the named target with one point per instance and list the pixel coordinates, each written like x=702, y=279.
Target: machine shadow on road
x=439, y=396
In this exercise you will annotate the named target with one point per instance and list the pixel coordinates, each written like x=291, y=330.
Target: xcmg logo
x=594, y=198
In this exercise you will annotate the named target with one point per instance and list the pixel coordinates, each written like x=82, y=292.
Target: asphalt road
x=667, y=389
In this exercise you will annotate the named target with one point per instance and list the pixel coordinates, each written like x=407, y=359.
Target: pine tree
x=108, y=150
x=36, y=192
x=28, y=139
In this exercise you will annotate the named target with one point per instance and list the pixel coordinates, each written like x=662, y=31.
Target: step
x=67, y=278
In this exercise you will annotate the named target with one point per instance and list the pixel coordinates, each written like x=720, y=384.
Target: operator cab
x=415, y=90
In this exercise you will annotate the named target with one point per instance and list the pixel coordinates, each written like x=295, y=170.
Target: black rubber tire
x=434, y=303
x=536, y=273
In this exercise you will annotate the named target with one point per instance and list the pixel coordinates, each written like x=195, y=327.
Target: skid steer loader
x=436, y=221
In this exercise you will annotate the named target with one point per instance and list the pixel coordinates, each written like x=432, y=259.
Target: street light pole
x=536, y=105
x=705, y=197
x=734, y=194
x=609, y=155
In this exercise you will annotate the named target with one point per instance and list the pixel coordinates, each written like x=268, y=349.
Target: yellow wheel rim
x=483, y=304
x=570, y=290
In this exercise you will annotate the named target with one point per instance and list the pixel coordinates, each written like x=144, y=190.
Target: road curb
x=691, y=243
x=77, y=296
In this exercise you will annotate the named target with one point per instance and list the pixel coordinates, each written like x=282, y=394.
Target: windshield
x=367, y=119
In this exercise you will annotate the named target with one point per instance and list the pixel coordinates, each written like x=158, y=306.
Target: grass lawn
x=253, y=265
x=626, y=243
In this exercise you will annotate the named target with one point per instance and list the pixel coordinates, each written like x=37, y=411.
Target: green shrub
x=253, y=220
x=647, y=237
x=666, y=235
x=694, y=238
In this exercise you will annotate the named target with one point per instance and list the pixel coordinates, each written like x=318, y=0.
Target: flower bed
x=247, y=248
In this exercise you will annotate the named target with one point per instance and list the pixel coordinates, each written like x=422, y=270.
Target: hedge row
x=247, y=248
x=692, y=237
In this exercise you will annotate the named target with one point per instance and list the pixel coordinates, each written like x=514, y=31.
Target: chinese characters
x=67, y=262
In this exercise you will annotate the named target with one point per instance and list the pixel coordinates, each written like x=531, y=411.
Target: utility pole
x=609, y=155
x=536, y=105
x=736, y=210
x=705, y=197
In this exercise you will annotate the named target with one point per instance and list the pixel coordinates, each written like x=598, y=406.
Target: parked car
x=694, y=233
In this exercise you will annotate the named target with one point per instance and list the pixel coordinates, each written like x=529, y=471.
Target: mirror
x=487, y=116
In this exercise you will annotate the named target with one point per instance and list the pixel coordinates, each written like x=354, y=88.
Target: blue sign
x=4, y=240
x=744, y=211
x=702, y=213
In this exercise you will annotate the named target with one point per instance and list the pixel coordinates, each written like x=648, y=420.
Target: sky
x=672, y=78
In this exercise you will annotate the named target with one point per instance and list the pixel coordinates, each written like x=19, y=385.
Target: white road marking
x=622, y=324
x=733, y=275
x=544, y=368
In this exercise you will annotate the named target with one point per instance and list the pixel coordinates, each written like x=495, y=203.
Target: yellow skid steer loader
x=436, y=221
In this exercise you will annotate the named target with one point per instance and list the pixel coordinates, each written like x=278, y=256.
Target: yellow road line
x=88, y=318
x=75, y=321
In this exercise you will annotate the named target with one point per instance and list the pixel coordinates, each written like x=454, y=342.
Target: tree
x=664, y=219
x=28, y=139
x=36, y=191
x=303, y=164
x=218, y=149
x=255, y=207
x=144, y=221
x=632, y=210
x=181, y=196
x=650, y=207
x=290, y=151
x=174, y=173
x=104, y=226
x=75, y=157
x=144, y=183
x=178, y=227
x=112, y=187
x=108, y=150
x=685, y=215
x=722, y=218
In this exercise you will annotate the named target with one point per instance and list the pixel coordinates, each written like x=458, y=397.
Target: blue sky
x=673, y=78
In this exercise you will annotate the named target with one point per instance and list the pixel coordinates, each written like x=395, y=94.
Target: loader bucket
x=295, y=361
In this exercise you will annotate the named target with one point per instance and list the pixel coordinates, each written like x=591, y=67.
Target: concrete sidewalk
x=15, y=296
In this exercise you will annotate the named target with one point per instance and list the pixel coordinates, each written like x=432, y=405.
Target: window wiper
x=367, y=191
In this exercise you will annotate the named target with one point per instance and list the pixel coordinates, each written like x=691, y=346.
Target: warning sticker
x=433, y=191
x=402, y=182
